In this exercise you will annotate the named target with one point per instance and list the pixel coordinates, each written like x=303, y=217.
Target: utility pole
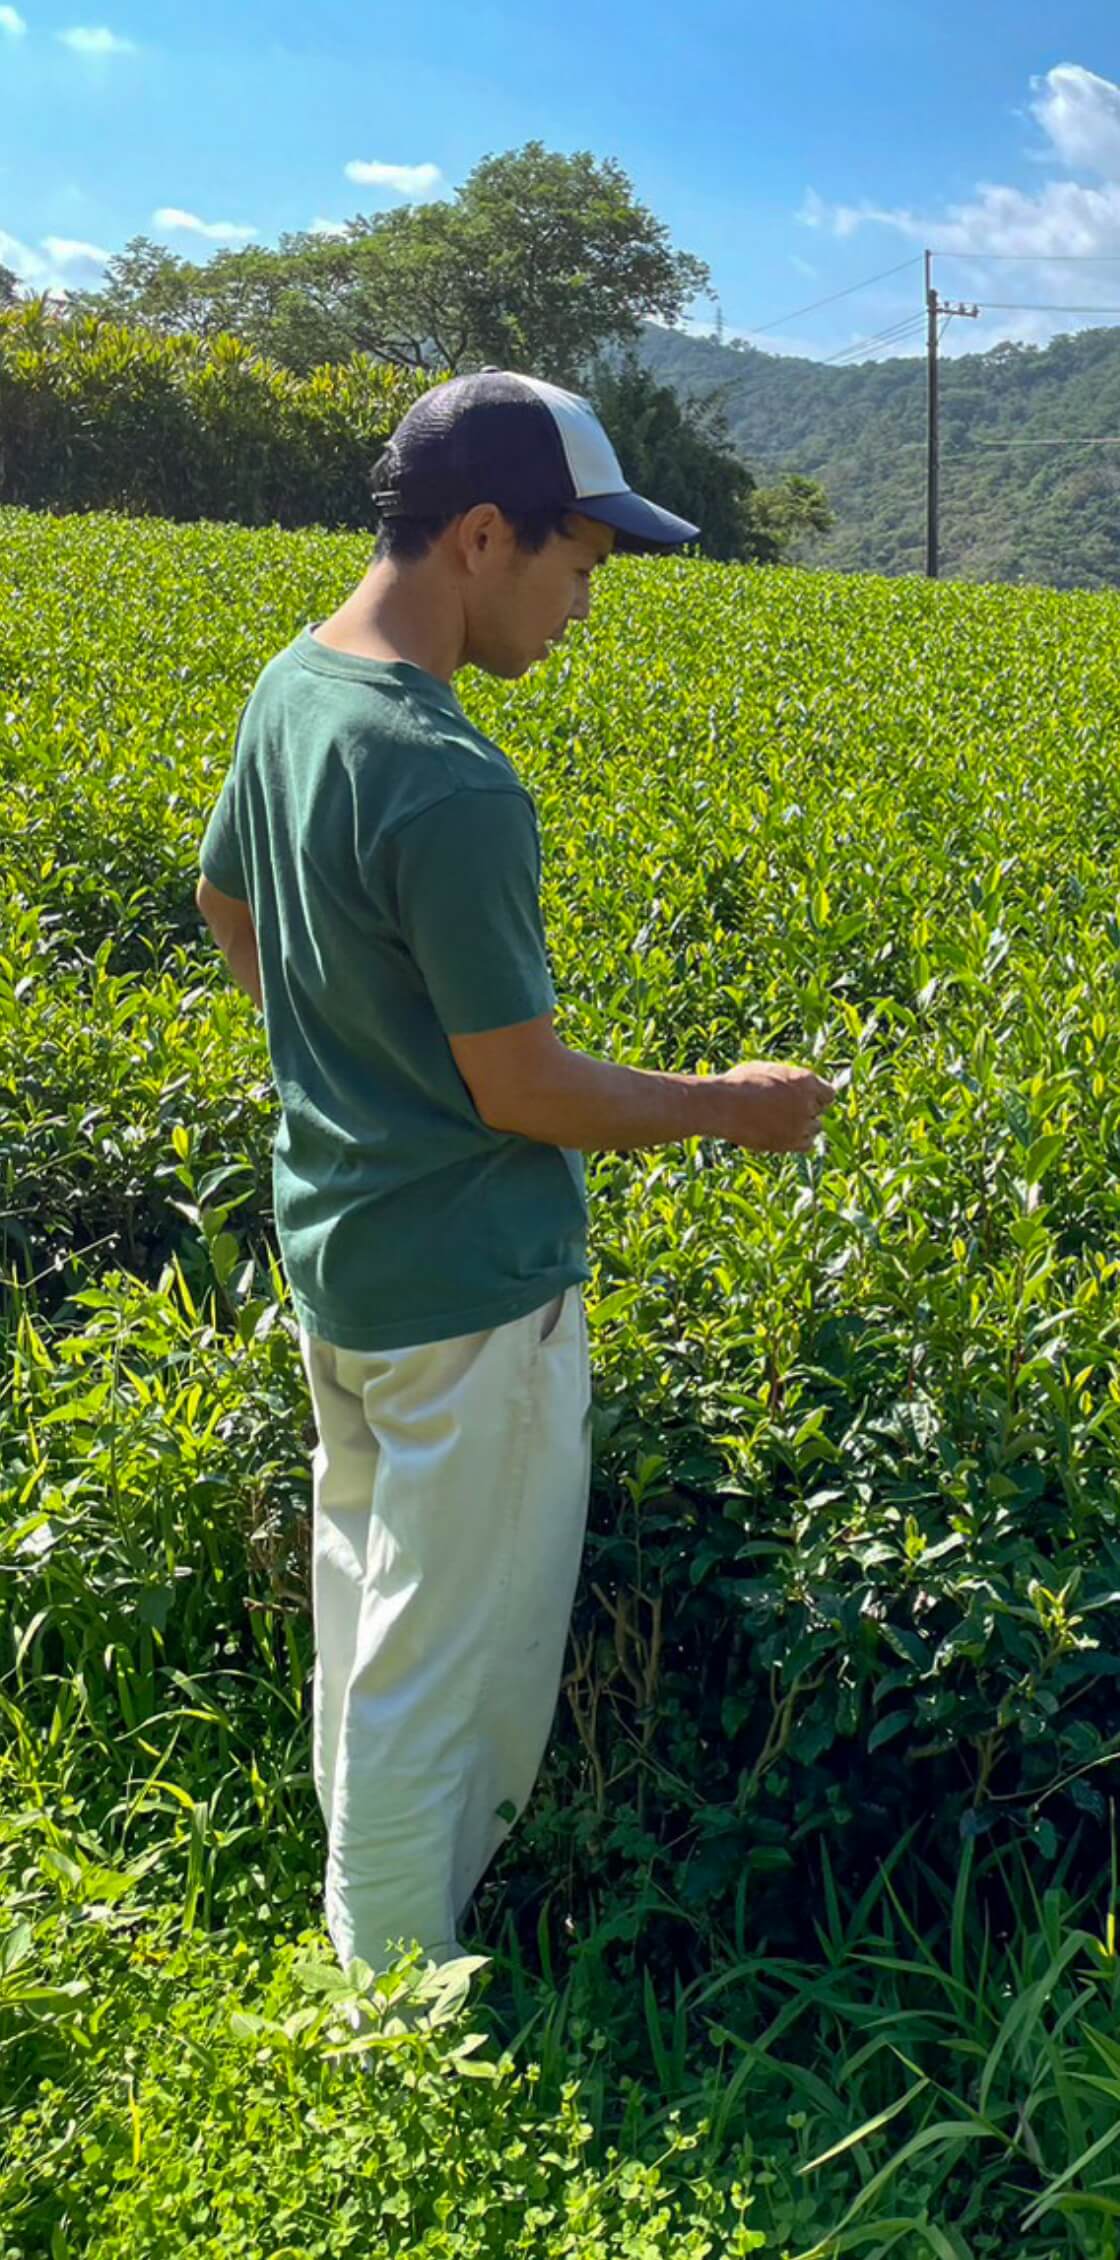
x=936, y=310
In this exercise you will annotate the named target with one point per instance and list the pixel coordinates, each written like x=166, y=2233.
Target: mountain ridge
x=1019, y=503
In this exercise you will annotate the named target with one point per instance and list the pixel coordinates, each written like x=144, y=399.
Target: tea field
x=807, y=1945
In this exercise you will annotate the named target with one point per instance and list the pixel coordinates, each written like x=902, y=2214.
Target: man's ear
x=479, y=532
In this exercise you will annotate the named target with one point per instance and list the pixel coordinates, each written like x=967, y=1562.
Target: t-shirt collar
x=351, y=666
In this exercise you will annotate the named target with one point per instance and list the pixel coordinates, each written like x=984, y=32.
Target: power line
x=1035, y=258
x=908, y=322
x=1041, y=258
x=912, y=323
x=831, y=300
x=1021, y=306
x=938, y=314
x=970, y=446
x=955, y=451
x=861, y=349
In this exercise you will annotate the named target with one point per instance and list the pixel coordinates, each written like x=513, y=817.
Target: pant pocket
x=550, y=1319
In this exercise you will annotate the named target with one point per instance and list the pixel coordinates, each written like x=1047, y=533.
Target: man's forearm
x=596, y=1107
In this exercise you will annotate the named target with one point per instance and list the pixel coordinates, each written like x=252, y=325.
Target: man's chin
x=509, y=666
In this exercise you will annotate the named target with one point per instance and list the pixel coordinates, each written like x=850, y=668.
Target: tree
x=9, y=288
x=562, y=261
x=146, y=284
x=538, y=262
x=793, y=515
x=680, y=453
x=676, y=453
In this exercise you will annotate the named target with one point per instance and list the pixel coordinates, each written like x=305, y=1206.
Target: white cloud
x=327, y=227
x=405, y=180
x=1079, y=114
x=1063, y=217
x=187, y=223
x=65, y=251
x=12, y=23
x=22, y=260
x=97, y=41
x=58, y=263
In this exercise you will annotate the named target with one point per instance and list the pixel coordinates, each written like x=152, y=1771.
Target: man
x=371, y=872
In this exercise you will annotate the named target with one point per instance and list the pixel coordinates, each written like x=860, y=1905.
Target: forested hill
x=1017, y=512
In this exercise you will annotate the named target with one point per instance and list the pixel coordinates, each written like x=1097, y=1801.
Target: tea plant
x=850, y=1603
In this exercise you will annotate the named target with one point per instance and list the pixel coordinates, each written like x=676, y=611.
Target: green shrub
x=854, y=1555
x=850, y=1598
x=167, y=2092
x=214, y=2114
x=96, y=416
x=97, y=1070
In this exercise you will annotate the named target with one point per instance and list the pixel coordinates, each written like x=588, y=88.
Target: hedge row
x=96, y=416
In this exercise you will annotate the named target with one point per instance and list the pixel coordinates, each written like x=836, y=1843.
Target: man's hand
x=771, y=1107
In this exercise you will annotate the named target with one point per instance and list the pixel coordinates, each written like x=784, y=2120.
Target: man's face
x=523, y=601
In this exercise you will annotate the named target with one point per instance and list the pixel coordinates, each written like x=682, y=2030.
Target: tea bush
x=853, y=1575
x=855, y=1555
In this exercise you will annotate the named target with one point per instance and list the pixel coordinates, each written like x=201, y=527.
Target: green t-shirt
x=391, y=860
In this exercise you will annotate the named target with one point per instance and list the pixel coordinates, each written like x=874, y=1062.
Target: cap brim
x=640, y=524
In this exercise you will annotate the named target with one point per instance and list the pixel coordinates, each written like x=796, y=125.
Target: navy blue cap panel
x=476, y=439
x=642, y=524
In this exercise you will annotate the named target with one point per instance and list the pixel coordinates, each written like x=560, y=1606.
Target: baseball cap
x=522, y=444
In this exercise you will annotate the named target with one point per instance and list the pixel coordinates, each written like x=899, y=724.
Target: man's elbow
x=509, y=1073
x=522, y=1106
x=504, y=1112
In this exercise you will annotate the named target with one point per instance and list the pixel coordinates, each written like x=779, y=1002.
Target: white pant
x=450, y=1503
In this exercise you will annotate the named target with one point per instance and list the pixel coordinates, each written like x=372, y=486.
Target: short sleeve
x=220, y=857
x=468, y=899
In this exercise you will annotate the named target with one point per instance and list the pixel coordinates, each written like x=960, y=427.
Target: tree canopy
x=681, y=454
x=539, y=261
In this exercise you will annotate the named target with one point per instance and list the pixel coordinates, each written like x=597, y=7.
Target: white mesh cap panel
x=591, y=459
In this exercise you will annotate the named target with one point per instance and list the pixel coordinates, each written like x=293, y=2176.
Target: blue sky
x=799, y=148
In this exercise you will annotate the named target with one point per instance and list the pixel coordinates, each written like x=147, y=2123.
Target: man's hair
x=403, y=540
